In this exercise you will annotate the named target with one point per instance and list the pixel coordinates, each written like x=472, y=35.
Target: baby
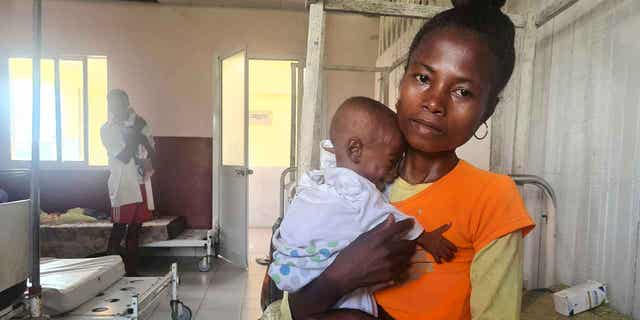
x=335, y=205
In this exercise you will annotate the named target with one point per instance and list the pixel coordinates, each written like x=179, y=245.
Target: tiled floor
x=231, y=293
x=226, y=292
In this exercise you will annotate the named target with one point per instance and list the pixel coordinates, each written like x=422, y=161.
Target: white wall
x=351, y=40
x=584, y=138
x=264, y=196
x=163, y=55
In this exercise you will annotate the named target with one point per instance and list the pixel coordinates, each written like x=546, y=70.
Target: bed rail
x=524, y=179
x=546, y=274
x=284, y=188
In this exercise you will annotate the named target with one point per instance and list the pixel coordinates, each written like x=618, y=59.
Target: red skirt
x=133, y=212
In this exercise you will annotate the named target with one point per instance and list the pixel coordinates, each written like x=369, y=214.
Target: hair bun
x=497, y=4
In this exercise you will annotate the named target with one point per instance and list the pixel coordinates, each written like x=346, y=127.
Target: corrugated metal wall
x=584, y=138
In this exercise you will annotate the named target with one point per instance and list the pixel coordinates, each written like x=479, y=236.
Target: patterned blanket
x=80, y=240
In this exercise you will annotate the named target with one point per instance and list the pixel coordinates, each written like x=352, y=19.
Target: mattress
x=68, y=283
x=80, y=240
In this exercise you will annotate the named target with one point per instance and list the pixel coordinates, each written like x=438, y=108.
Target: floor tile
x=160, y=315
x=223, y=297
x=226, y=292
x=219, y=313
x=251, y=314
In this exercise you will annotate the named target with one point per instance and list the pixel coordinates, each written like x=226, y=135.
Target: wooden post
x=385, y=87
x=398, y=9
x=336, y=67
x=311, y=113
x=553, y=10
x=380, y=36
x=523, y=115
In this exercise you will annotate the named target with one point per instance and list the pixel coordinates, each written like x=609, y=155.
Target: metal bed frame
x=193, y=238
x=140, y=306
x=544, y=265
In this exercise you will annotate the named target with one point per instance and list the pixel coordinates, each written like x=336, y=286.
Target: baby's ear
x=354, y=149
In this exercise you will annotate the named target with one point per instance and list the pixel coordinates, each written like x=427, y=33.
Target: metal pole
x=547, y=264
x=522, y=179
x=283, y=189
x=35, y=155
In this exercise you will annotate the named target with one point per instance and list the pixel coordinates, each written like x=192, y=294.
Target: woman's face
x=119, y=108
x=446, y=90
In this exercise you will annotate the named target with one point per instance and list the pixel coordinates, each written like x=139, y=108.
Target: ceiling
x=263, y=4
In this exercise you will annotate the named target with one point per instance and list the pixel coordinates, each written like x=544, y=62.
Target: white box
x=580, y=298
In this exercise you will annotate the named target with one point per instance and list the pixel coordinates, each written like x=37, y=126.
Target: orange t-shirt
x=483, y=207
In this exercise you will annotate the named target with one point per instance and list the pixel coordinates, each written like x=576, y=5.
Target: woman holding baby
x=459, y=62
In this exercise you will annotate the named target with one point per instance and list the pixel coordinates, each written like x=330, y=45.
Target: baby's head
x=367, y=140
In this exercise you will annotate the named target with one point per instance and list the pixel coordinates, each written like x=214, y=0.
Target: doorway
x=256, y=119
x=271, y=146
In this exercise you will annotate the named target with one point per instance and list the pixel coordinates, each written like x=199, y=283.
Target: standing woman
x=459, y=63
x=127, y=138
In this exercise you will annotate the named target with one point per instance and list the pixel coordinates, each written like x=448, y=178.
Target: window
x=73, y=107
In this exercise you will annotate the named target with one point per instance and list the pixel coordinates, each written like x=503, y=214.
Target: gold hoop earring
x=486, y=132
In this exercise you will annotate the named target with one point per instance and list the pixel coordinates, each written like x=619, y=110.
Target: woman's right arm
x=375, y=257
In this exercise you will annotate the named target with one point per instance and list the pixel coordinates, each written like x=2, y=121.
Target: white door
x=234, y=157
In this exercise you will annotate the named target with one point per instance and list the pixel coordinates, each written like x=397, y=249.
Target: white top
x=332, y=208
x=336, y=204
x=125, y=179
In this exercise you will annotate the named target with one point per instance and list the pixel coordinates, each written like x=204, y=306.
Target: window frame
x=58, y=164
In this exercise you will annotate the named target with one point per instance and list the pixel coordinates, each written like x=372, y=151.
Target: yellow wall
x=269, y=98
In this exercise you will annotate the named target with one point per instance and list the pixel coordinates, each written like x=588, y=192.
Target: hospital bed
x=75, y=289
x=84, y=239
x=199, y=243
x=165, y=235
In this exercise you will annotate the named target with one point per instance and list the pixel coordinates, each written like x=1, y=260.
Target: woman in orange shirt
x=459, y=62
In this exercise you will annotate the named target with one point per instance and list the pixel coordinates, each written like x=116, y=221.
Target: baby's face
x=379, y=162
